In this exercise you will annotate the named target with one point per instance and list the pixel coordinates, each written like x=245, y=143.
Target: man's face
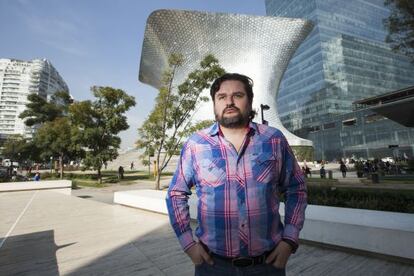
x=231, y=105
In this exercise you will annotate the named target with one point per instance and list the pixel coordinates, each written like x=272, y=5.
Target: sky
x=93, y=42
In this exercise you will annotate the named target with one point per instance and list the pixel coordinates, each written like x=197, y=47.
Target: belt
x=240, y=261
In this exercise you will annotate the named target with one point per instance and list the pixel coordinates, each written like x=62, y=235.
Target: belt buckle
x=242, y=261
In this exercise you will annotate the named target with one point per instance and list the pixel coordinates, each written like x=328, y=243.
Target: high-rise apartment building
x=18, y=79
x=344, y=59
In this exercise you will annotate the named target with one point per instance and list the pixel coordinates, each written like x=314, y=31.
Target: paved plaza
x=48, y=233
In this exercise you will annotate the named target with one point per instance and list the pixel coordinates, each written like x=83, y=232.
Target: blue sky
x=93, y=42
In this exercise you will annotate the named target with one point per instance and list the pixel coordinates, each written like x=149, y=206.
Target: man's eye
x=221, y=97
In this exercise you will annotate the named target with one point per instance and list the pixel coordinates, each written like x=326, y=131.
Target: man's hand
x=198, y=255
x=280, y=255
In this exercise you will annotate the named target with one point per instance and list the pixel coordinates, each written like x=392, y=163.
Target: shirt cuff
x=293, y=245
x=291, y=232
x=186, y=240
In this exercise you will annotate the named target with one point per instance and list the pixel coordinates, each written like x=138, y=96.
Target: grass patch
x=321, y=180
x=108, y=178
x=87, y=183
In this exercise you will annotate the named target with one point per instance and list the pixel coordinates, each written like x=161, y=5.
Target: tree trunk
x=157, y=171
x=158, y=180
x=99, y=176
x=61, y=165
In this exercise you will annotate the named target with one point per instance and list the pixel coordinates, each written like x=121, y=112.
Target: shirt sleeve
x=293, y=186
x=177, y=199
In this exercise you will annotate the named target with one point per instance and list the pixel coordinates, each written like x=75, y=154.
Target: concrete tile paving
x=47, y=233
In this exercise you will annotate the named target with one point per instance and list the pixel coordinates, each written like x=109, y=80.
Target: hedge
x=360, y=198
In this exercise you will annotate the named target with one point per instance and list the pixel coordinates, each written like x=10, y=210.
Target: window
x=349, y=122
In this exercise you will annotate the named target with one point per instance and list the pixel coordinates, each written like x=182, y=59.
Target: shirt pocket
x=265, y=168
x=212, y=172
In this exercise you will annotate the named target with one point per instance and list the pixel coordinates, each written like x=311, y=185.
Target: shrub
x=372, y=199
x=303, y=152
x=48, y=175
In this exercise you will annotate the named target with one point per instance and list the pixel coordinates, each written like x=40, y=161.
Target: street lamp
x=262, y=108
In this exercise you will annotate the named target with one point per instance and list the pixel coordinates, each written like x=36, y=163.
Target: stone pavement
x=47, y=233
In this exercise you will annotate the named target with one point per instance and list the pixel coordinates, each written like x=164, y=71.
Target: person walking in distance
x=120, y=173
x=322, y=172
x=343, y=168
x=240, y=170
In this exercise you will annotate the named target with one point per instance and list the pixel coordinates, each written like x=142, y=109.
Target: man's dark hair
x=247, y=82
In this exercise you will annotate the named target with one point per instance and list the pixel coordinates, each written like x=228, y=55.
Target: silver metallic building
x=257, y=46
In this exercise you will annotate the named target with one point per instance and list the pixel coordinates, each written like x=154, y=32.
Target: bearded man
x=240, y=170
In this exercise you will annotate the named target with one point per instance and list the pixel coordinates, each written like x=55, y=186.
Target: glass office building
x=344, y=59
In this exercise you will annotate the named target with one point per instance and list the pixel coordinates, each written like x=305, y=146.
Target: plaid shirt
x=238, y=192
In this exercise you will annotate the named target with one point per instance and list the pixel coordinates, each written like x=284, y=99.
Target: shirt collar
x=215, y=129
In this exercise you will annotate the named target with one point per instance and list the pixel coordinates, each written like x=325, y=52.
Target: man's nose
x=229, y=100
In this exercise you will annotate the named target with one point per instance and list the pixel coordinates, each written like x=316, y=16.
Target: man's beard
x=240, y=120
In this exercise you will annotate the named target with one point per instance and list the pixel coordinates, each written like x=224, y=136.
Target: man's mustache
x=231, y=106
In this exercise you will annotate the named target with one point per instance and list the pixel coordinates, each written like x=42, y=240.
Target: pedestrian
x=14, y=174
x=37, y=177
x=132, y=165
x=322, y=172
x=304, y=171
x=308, y=172
x=120, y=172
x=239, y=168
x=343, y=168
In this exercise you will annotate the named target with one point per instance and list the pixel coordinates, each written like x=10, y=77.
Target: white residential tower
x=18, y=79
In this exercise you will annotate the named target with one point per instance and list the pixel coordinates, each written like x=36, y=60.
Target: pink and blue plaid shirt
x=238, y=192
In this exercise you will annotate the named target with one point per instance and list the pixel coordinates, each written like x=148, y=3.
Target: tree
x=39, y=110
x=98, y=124
x=17, y=148
x=55, y=138
x=50, y=117
x=170, y=121
x=400, y=25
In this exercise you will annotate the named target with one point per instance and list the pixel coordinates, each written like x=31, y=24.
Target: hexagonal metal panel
x=257, y=46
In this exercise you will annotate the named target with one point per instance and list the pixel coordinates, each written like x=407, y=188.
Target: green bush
x=303, y=152
x=372, y=199
x=48, y=175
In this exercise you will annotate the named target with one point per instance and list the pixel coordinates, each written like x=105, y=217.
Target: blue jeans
x=224, y=268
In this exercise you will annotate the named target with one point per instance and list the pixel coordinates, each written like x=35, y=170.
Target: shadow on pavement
x=30, y=254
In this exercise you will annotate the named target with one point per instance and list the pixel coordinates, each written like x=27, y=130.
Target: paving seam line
x=17, y=220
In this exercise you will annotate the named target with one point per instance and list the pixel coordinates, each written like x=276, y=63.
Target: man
x=120, y=172
x=343, y=168
x=239, y=170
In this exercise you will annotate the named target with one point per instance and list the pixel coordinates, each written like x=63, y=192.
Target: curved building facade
x=257, y=46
